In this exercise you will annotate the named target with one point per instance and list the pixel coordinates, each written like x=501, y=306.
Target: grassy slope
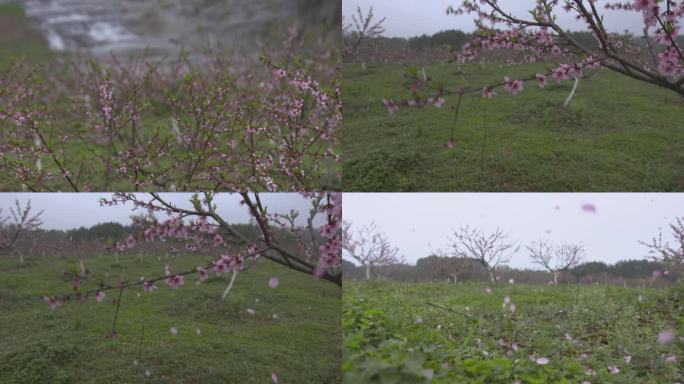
x=607, y=323
x=70, y=344
x=18, y=40
x=617, y=135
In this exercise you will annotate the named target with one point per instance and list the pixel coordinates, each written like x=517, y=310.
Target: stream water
x=163, y=26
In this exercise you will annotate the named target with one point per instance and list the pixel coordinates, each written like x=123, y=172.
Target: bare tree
x=369, y=247
x=490, y=250
x=19, y=221
x=556, y=259
x=452, y=267
x=662, y=251
x=362, y=30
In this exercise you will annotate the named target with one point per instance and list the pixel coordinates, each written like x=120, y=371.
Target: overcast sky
x=73, y=210
x=416, y=222
x=406, y=18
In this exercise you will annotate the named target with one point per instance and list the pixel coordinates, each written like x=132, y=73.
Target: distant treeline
x=434, y=268
x=103, y=236
x=453, y=40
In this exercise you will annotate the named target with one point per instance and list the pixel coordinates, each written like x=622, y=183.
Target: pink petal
x=273, y=282
x=542, y=361
x=589, y=207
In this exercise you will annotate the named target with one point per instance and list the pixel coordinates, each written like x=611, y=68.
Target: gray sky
x=414, y=222
x=73, y=210
x=406, y=18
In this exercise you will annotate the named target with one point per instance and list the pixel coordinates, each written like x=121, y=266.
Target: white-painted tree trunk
x=368, y=272
x=482, y=64
x=21, y=258
x=39, y=145
x=80, y=264
x=424, y=75
x=492, y=279
x=363, y=66
x=555, y=277
x=572, y=93
x=230, y=285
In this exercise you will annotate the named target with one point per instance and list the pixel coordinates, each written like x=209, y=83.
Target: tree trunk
x=368, y=272
x=21, y=258
x=555, y=277
x=572, y=93
x=491, y=276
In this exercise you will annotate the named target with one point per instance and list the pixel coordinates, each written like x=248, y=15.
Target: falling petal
x=100, y=296
x=665, y=337
x=542, y=361
x=274, y=377
x=251, y=311
x=419, y=320
x=429, y=373
x=273, y=282
x=589, y=207
x=174, y=331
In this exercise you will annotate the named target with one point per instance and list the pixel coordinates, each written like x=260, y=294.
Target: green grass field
x=71, y=344
x=18, y=40
x=617, y=134
x=392, y=335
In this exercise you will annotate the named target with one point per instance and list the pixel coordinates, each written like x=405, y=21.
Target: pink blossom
x=541, y=79
x=419, y=320
x=613, y=369
x=130, y=241
x=52, y=302
x=542, y=361
x=513, y=86
x=175, y=281
x=429, y=373
x=451, y=143
x=671, y=359
x=203, y=275
x=439, y=102
x=149, y=286
x=487, y=93
x=273, y=282
x=100, y=296
x=507, y=300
